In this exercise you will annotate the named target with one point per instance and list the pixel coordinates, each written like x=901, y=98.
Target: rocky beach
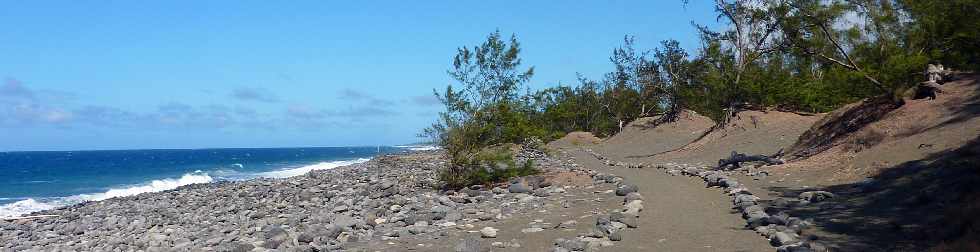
x=387, y=204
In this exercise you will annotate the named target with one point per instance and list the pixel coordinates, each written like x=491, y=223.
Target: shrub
x=489, y=165
x=486, y=111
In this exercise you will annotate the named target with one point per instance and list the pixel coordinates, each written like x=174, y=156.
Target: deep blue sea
x=34, y=181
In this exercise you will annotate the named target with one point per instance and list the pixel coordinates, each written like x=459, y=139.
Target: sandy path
x=680, y=214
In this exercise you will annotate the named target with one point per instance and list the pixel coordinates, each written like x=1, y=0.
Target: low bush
x=488, y=166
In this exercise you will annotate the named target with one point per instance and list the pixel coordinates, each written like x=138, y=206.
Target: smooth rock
x=625, y=189
x=488, y=232
x=571, y=244
x=632, y=196
x=634, y=207
x=274, y=236
x=782, y=238
x=519, y=188
x=816, y=196
x=532, y=230
x=615, y=236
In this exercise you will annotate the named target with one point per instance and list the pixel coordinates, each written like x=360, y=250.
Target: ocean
x=35, y=181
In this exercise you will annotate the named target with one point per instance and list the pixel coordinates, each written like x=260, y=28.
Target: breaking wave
x=31, y=205
x=303, y=170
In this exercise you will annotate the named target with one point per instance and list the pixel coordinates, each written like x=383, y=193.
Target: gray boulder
x=305, y=237
x=783, y=238
x=344, y=221
x=274, y=236
x=633, y=208
x=615, y=236
x=558, y=249
x=329, y=232
x=632, y=196
x=571, y=245
x=780, y=218
x=470, y=192
x=236, y=247
x=439, y=213
x=629, y=220
x=498, y=190
x=488, y=232
x=445, y=200
x=541, y=192
x=625, y=189
x=519, y=188
x=816, y=196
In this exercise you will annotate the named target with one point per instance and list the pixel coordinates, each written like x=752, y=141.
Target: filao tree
x=487, y=108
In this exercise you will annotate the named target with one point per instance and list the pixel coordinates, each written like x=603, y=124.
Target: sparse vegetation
x=865, y=140
x=491, y=165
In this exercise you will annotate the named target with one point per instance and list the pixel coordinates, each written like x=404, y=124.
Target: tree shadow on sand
x=919, y=205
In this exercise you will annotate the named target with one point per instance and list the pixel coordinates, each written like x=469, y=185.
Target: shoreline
x=89, y=212
x=387, y=203
x=19, y=207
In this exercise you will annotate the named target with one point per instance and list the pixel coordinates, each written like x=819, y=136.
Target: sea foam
x=153, y=186
x=31, y=205
x=24, y=207
x=305, y=169
x=419, y=147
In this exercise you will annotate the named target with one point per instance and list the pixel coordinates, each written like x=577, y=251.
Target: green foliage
x=812, y=55
x=798, y=55
x=946, y=31
x=487, y=167
x=674, y=74
x=486, y=111
x=564, y=109
x=488, y=104
x=491, y=165
x=633, y=90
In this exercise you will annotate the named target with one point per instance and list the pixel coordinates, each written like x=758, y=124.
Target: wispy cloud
x=362, y=111
x=354, y=95
x=425, y=100
x=21, y=106
x=254, y=94
x=15, y=88
x=31, y=113
x=305, y=116
x=302, y=111
x=183, y=115
x=108, y=116
x=362, y=105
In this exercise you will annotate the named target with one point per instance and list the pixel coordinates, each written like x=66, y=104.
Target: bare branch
x=854, y=66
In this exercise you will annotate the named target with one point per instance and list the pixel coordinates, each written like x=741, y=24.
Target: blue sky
x=77, y=75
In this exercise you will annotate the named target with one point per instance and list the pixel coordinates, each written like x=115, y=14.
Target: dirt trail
x=680, y=214
x=905, y=181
